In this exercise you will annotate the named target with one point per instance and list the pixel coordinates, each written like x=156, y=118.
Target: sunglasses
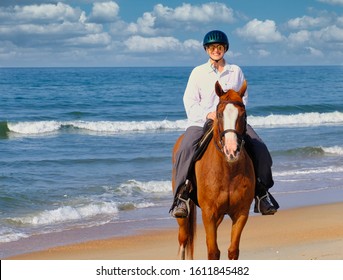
x=220, y=48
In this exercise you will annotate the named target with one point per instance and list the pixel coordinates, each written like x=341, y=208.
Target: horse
x=224, y=178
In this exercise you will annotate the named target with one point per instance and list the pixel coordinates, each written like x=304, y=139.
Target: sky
x=146, y=33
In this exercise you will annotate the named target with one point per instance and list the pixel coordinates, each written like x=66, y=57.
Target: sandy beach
x=308, y=233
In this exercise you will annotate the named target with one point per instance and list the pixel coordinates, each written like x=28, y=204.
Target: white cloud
x=332, y=2
x=232, y=54
x=260, y=31
x=40, y=14
x=325, y=42
x=299, y=37
x=90, y=40
x=151, y=45
x=163, y=19
x=103, y=12
x=35, y=35
x=307, y=22
x=93, y=30
x=49, y=25
x=263, y=53
x=330, y=34
x=192, y=44
x=207, y=12
x=314, y=52
x=260, y=53
x=161, y=44
x=340, y=21
x=144, y=25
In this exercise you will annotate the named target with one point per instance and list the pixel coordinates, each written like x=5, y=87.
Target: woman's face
x=215, y=51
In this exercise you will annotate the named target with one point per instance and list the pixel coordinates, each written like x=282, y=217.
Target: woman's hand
x=211, y=116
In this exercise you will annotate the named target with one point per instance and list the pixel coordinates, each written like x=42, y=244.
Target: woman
x=200, y=101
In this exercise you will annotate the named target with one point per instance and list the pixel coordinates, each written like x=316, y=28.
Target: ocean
x=88, y=150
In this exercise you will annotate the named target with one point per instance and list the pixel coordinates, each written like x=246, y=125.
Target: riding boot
x=265, y=203
x=180, y=207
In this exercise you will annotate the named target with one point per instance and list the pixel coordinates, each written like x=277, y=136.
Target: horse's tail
x=192, y=226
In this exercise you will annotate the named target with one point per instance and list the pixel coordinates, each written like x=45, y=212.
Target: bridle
x=240, y=136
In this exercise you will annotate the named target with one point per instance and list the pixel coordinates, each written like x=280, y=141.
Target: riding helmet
x=216, y=36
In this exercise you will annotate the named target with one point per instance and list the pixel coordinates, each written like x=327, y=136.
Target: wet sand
x=307, y=233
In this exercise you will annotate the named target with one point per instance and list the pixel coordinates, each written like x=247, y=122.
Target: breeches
x=260, y=156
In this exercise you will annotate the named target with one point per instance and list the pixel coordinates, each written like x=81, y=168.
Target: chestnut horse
x=225, y=179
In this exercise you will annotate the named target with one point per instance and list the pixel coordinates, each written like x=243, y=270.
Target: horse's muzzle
x=231, y=155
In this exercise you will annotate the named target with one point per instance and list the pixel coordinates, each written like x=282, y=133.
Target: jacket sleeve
x=196, y=113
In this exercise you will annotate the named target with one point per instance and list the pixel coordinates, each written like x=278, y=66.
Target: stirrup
x=185, y=208
x=186, y=201
x=258, y=202
x=258, y=205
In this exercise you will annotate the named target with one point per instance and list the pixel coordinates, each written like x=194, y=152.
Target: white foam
x=319, y=170
x=336, y=150
x=39, y=127
x=126, y=126
x=144, y=205
x=68, y=213
x=154, y=186
x=299, y=120
x=130, y=186
x=9, y=235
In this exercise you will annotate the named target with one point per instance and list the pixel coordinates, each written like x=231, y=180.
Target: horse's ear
x=219, y=89
x=243, y=88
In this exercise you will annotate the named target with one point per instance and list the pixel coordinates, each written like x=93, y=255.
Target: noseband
x=240, y=136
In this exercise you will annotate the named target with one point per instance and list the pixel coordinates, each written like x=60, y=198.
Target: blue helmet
x=216, y=36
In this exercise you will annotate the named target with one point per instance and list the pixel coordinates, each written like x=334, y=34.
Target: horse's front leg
x=238, y=224
x=211, y=225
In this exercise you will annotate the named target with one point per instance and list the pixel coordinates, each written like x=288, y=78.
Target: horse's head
x=231, y=122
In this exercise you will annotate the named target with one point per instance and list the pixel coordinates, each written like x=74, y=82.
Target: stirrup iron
x=259, y=201
x=186, y=201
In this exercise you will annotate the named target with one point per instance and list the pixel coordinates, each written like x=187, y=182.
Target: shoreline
x=306, y=233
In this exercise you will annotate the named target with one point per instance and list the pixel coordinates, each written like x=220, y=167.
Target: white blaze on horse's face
x=230, y=116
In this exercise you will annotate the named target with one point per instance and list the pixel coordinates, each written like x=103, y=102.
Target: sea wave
x=8, y=234
x=111, y=127
x=308, y=171
x=150, y=187
x=114, y=127
x=126, y=196
x=297, y=120
x=313, y=151
x=65, y=214
x=335, y=150
x=3, y=130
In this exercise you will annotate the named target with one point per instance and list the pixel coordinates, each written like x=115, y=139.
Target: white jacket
x=200, y=98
